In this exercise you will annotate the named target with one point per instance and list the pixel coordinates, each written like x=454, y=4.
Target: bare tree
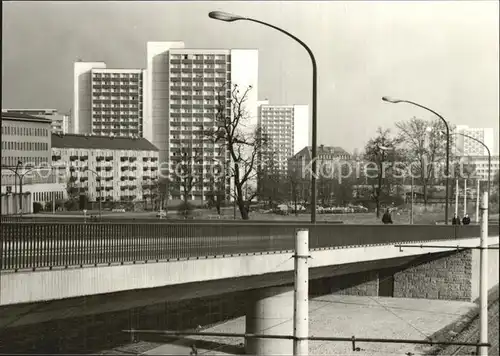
x=187, y=173
x=343, y=186
x=379, y=151
x=271, y=182
x=217, y=192
x=242, y=143
x=425, y=144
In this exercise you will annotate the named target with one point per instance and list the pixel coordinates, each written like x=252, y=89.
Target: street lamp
x=100, y=190
x=20, y=176
x=381, y=173
x=224, y=16
x=15, y=177
x=396, y=101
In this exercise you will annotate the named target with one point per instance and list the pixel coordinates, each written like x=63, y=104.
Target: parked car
x=161, y=214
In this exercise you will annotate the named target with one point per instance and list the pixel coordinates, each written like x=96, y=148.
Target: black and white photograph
x=250, y=177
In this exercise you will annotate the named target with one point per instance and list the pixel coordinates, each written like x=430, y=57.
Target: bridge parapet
x=35, y=246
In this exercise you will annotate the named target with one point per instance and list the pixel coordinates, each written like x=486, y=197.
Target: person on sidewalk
x=455, y=220
x=466, y=219
x=387, y=219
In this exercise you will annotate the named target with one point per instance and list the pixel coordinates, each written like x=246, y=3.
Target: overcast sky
x=444, y=55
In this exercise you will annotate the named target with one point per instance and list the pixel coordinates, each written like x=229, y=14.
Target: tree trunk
x=243, y=209
x=426, y=198
x=379, y=189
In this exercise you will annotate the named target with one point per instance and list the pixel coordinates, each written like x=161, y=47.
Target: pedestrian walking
x=455, y=220
x=387, y=219
x=466, y=219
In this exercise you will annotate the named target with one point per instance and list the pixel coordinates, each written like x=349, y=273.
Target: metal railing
x=63, y=245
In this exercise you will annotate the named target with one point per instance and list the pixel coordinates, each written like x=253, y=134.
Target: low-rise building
x=300, y=165
x=480, y=164
x=107, y=168
x=59, y=122
x=26, y=157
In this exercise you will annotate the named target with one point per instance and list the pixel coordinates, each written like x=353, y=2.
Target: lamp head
x=391, y=100
x=224, y=16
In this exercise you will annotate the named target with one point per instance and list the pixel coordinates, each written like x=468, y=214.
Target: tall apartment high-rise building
x=183, y=87
x=60, y=122
x=287, y=129
x=107, y=101
x=466, y=147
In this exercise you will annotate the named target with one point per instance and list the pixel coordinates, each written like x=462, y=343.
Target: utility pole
x=483, y=278
x=411, y=206
x=456, y=197
x=301, y=297
x=465, y=196
x=477, y=201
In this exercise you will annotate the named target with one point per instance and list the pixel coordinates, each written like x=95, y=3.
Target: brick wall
x=444, y=276
x=362, y=284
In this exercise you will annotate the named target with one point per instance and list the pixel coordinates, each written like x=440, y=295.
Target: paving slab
x=345, y=316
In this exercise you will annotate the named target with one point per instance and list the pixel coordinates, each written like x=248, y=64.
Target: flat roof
x=101, y=142
x=24, y=117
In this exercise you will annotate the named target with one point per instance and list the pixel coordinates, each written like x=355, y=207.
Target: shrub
x=37, y=207
x=71, y=205
x=185, y=209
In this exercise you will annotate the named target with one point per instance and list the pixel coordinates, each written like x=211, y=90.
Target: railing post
x=301, y=298
x=483, y=278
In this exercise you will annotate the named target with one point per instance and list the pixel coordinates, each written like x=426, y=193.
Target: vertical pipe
x=447, y=171
x=477, y=201
x=301, y=298
x=21, y=194
x=456, y=197
x=465, y=196
x=483, y=279
x=314, y=138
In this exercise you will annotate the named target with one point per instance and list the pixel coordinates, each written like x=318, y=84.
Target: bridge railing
x=64, y=245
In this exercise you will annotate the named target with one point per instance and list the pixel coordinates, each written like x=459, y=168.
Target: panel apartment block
x=287, y=129
x=183, y=88
x=466, y=147
x=107, y=101
x=108, y=168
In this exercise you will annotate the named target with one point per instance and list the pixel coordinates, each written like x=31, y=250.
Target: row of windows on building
x=200, y=56
x=25, y=146
x=117, y=75
x=24, y=131
x=25, y=161
x=108, y=96
x=47, y=196
x=199, y=66
x=99, y=81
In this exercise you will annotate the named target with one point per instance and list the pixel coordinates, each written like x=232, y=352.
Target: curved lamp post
x=224, y=16
x=20, y=176
x=489, y=155
x=396, y=101
x=100, y=190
